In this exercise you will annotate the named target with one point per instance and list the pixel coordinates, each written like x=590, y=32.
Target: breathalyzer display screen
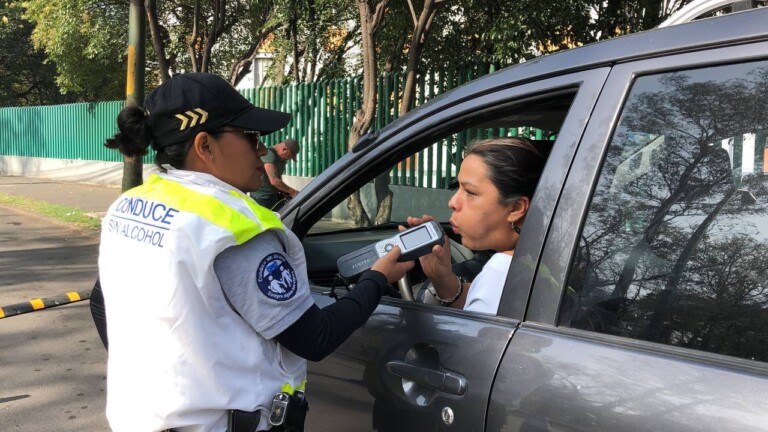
x=415, y=238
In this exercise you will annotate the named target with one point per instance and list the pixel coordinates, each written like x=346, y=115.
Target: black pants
x=98, y=312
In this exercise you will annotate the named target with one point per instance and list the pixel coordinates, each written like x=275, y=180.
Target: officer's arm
x=318, y=332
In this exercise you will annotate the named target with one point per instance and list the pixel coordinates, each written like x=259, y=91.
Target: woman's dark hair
x=135, y=137
x=514, y=165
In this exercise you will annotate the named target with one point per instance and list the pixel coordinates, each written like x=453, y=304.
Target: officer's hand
x=389, y=266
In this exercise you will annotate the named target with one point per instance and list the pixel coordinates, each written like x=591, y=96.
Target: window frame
x=562, y=241
x=394, y=142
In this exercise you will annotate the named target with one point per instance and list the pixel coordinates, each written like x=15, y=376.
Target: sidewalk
x=92, y=199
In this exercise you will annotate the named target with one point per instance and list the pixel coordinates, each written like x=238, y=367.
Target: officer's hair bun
x=134, y=136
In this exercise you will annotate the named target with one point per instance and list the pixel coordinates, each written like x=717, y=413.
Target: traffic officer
x=209, y=314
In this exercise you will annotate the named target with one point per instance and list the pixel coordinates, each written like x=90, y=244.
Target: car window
x=674, y=244
x=423, y=180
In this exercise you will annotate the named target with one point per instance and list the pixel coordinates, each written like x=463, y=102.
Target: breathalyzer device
x=413, y=243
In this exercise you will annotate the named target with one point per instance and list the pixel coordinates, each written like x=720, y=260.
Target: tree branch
x=158, y=39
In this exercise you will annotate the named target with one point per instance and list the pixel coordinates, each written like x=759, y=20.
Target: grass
x=68, y=215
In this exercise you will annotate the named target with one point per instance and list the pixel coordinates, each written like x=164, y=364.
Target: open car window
x=422, y=182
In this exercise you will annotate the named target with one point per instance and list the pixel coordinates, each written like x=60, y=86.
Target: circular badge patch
x=276, y=278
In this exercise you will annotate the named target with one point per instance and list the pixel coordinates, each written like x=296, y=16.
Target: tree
x=86, y=40
x=222, y=36
x=370, y=20
x=26, y=78
x=504, y=33
x=422, y=23
x=371, y=15
x=313, y=40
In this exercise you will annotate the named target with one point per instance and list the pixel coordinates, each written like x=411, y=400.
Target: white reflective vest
x=179, y=356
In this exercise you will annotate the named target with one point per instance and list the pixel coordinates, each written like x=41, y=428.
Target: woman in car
x=496, y=182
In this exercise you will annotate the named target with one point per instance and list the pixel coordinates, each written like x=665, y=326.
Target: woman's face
x=478, y=217
x=237, y=158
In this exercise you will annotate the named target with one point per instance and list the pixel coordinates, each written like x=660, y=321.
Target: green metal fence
x=322, y=117
x=73, y=131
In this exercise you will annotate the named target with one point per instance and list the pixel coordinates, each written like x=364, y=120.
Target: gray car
x=637, y=297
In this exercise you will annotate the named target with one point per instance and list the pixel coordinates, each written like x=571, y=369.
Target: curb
x=43, y=303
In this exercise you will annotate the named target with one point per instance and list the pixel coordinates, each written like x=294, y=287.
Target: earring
x=514, y=227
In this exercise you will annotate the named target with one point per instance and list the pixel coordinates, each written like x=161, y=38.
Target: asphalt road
x=53, y=364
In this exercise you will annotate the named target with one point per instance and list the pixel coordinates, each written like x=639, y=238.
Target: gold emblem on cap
x=192, y=118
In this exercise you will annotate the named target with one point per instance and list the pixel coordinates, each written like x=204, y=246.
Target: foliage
x=25, y=76
x=315, y=39
x=87, y=40
x=502, y=33
x=311, y=39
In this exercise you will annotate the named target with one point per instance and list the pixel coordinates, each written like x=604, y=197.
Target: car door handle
x=446, y=382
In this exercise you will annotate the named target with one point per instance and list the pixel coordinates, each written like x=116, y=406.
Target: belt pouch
x=243, y=421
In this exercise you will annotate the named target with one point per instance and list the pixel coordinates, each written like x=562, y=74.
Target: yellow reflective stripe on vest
x=207, y=207
x=262, y=213
x=287, y=388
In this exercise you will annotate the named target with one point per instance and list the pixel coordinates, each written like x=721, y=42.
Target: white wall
x=408, y=201
x=84, y=171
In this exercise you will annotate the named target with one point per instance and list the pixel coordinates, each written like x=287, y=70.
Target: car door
x=649, y=310
x=415, y=366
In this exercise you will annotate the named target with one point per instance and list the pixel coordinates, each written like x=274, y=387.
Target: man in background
x=273, y=188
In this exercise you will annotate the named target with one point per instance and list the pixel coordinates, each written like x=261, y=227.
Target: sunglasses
x=252, y=136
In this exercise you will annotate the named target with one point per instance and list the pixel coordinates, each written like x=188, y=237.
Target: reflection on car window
x=673, y=249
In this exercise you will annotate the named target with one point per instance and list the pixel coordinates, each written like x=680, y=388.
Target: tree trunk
x=354, y=204
x=158, y=41
x=369, y=21
x=418, y=40
x=240, y=68
x=217, y=29
x=134, y=90
x=630, y=266
x=132, y=172
x=193, y=39
x=293, y=29
x=384, y=195
x=665, y=301
x=312, y=50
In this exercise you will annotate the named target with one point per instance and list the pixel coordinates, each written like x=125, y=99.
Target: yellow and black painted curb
x=43, y=303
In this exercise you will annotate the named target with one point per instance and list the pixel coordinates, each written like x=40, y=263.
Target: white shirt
x=485, y=292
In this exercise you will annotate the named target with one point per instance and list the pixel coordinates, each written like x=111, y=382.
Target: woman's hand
x=437, y=264
x=389, y=266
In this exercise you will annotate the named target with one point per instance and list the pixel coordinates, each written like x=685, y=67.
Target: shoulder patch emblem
x=276, y=278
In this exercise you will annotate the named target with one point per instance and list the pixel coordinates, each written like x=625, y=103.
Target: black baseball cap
x=191, y=103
